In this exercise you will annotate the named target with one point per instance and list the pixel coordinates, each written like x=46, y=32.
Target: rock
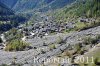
x=71, y=39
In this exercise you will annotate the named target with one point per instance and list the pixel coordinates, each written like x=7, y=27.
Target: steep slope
x=30, y=5
x=4, y=10
x=56, y=4
x=23, y=5
x=86, y=8
x=8, y=18
x=9, y=3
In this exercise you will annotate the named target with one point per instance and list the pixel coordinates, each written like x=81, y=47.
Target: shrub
x=60, y=40
x=13, y=34
x=52, y=46
x=16, y=45
x=89, y=40
x=83, y=26
x=96, y=61
x=80, y=26
x=77, y=47
x=98, y=37
x=67, y=53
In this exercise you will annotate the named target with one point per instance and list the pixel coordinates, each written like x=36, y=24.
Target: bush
x=77, y=47
x=83, y=26
x=60, y=40
x=16, y=45
x=67, y=53
x=96, y=61
x=52, y=46
x=13, y=34
x=89, y=40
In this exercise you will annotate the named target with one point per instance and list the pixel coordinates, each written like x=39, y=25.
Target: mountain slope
x=86, y=8
x=9, y=3
x=8, y=18
x=23, y=5
x=4, y=10
x=56, y=4
x=30, y=5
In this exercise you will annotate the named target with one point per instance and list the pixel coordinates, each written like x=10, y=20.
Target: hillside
x=56, y=4
x=31, y=5
x=8, y=18
x=23, y=5
x=9, y=3
x=4, y=10
x=81, y=8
